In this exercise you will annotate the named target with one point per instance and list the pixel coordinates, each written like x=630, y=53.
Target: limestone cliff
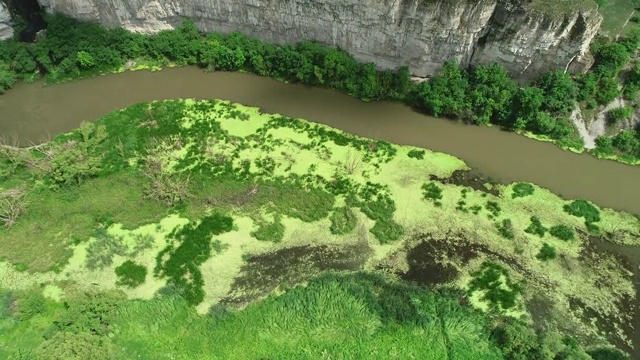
x=419, y=33
x=6, y=30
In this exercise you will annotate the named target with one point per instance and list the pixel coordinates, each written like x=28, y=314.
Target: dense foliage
x=370, y=317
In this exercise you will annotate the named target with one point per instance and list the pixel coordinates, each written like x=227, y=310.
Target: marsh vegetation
x=260, y=235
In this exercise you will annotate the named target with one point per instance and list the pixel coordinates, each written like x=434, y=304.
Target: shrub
x=387, y=231
x=343, y=221
x=562, y=232
x=131, y=274
x=30, y=303
x=547, y=252
x=617, y=115
x=13, y=204
x=522, y=190
x=431, y=191
x=584, y=209
x=273, y=231
x=607, y=353
x=493, y=207
x=506, y=229
x=416, y=154
x=490, y=278
x=536, y=227
x=516, y=340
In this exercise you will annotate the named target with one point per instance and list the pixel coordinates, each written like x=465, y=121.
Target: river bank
x=278, y=201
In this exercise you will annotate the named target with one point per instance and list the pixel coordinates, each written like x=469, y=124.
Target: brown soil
x=469, y=179
x=287, y=267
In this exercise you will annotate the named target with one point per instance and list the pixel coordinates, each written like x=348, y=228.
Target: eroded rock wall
x=6, y=29
x=419, y=33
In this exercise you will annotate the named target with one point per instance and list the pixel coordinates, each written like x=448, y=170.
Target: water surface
x=31, y=112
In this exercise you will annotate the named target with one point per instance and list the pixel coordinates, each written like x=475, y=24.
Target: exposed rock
x=419, y=33
x=6, y=28
x=578, y=121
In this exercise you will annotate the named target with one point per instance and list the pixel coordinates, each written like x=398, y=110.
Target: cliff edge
x=526, y=37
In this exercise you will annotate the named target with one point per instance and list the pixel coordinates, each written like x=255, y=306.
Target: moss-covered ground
x=222, y=209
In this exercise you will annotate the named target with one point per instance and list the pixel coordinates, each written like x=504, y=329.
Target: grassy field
x=615, y=14
x=184, y=208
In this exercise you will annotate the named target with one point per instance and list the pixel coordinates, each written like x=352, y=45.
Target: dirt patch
x=470, y=179
x=264, y=273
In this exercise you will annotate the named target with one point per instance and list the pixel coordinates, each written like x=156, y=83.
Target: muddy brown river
x=32, y=111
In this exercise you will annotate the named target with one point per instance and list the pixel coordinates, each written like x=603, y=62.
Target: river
x=32, y=111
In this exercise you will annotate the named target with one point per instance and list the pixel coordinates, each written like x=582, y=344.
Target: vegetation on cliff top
x=215, y=206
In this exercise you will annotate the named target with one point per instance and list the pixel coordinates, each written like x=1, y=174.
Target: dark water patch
x=541, y=309
x=629, y=258
x=264, y=273
x=431, y=262
x=470, y=179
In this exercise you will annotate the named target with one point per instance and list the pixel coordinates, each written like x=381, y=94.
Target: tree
x=610, y=58
x=490, y=93
x=526, y=104
x=443, y=94
x=85, y=59
x=7, y=77
x=559, y=91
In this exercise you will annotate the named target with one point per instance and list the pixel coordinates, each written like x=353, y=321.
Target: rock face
x=6, y=30
x=390, y=33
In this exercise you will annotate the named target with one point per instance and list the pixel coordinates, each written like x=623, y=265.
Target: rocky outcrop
x=6, y=29
x=419, y=33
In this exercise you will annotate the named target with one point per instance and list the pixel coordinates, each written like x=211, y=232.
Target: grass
x=358, y=316
x=55, y=219
x=615, y=14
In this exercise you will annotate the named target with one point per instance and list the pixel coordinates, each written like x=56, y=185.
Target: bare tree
x=13, y=204
x=163, y=186
x=352, y=162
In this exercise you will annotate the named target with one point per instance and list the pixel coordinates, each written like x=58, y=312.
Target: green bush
x=536, y=227
x=29, y=304
x=505, y=228
x=522, y=190
x=387, y=231
x=493, y=207
x=431, y=191
x=131, y=274
x=562, y=232
x=416, y=154
x=270, y=231
x=343, y=221
x=607, y=353
x=499, y=295
x=584, y=209
x=547, y=252
x=617, y=115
